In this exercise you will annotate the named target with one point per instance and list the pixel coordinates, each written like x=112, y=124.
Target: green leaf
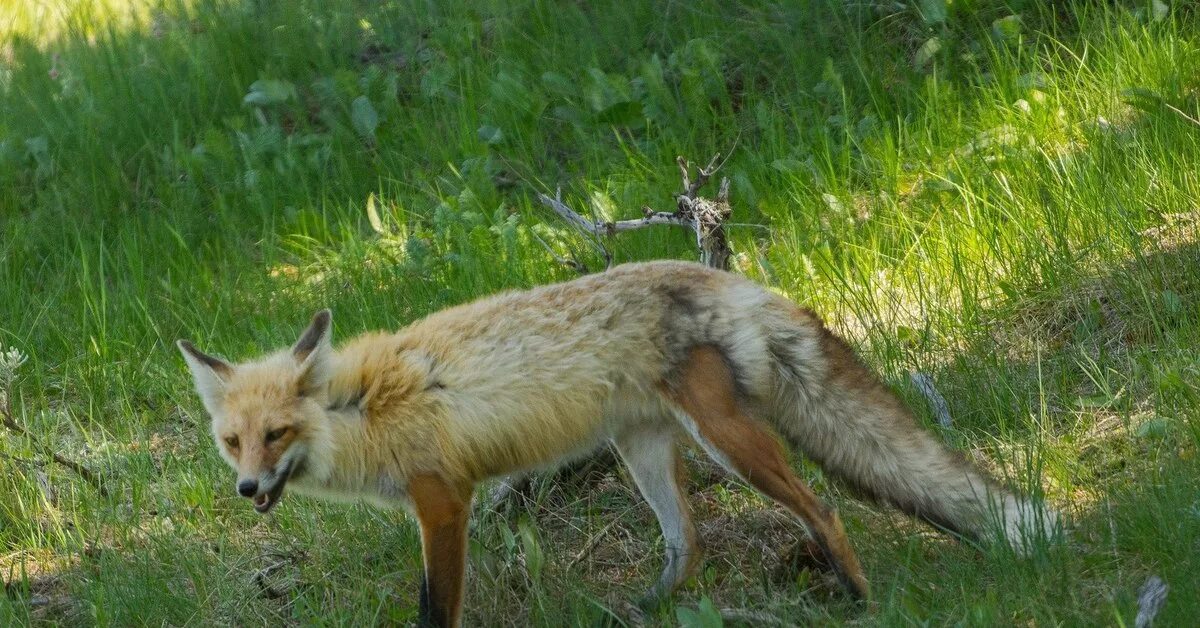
x=926, y=52
x=833, y=203
x=933, y=11
x=787, y=165
x=435, y=82
x=267, y=92
x=364, y=117
x=1009, y=290
x=1159, y=10
x=36, y=147
x=1032, y=80
x=1155, y=428
x=705, y=615
x=1172, y=303
x=490, y=135
x=535, y=558
x=687, y=617
x=907, y=335
x=709, y=610
x=1008, y=28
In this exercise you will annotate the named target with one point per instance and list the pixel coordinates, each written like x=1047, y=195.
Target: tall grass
x=1000, y=194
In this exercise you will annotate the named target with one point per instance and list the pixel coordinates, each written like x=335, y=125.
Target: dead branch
x=6, y=418
x=587, y=227
x=751, y=618
x=690, y=189
x=600, y=228
x=572, y=263
x=592, y=544
x=705, y=217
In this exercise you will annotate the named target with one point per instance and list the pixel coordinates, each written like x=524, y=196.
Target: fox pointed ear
x=313, y=353
x=210, y=373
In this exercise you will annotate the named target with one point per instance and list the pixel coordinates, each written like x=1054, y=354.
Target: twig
x=600, y=228
x=690, y=188
x=87, y=474
x=753, y=618
x=573, y=264
x=25, y=461
x=592, y=544
x=1180, y=112
x=588, y=227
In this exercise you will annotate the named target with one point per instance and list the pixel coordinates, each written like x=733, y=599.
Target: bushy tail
x=831, y=407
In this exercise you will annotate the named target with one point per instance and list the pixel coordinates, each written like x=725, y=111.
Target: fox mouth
x=264, y=502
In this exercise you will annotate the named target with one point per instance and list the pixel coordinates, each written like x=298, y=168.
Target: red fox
x=631, y=356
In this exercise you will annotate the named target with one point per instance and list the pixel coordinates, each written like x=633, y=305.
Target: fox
x=640, y=356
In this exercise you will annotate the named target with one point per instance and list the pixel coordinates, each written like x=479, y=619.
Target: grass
x=999, y=194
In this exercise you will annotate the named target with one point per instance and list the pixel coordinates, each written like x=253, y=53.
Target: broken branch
x=600, y=228
x=87, y=474
x=573, y=264
x=592, y=544
x=6, y=418
x=584, y=225
x=703, y=216
x=690, y=188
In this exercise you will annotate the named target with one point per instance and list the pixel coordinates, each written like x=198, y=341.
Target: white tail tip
x=1026, y=523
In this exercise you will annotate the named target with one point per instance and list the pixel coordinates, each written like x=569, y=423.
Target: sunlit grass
x=998, y=196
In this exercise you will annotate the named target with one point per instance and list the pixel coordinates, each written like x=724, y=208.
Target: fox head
x=268, y=415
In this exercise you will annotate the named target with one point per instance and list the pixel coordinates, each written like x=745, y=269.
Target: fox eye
x=232, y=442
x=276, y=434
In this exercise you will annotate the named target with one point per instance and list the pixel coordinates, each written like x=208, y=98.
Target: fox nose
x=247, y=488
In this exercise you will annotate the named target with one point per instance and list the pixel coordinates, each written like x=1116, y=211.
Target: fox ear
x=211, y=374
x=313, y=353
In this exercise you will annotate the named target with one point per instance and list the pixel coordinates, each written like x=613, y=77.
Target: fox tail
x=830, y=406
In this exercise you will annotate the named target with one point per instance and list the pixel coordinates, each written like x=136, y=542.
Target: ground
x=1000, y=195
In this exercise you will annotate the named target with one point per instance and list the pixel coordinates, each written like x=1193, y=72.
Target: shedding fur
x=526, y=380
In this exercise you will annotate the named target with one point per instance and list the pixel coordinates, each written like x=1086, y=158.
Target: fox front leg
x=442, y=512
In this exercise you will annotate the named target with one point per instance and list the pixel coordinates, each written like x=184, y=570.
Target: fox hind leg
x=706, y=394
x=653, y=461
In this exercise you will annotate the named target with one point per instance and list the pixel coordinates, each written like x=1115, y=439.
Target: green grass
x=1006, y=203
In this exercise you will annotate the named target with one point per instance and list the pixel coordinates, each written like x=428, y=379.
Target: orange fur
x=442, y=511
x=706, y=394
